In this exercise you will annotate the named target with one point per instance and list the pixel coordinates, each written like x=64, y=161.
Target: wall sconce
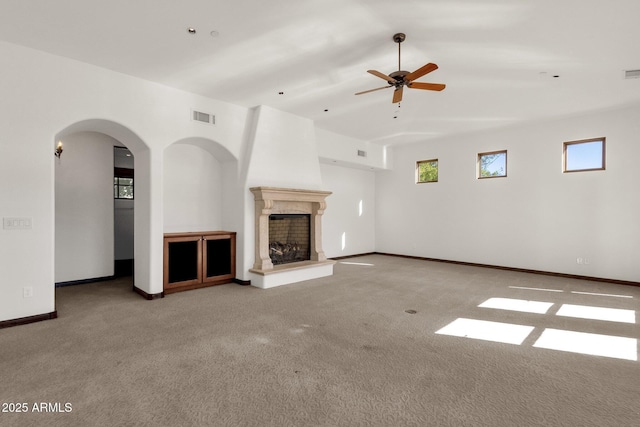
x=58, y=151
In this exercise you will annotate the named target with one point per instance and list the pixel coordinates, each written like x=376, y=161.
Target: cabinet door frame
x=167, y=242
x=223, y=277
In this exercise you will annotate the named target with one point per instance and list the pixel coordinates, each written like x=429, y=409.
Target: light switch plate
x=17, y=223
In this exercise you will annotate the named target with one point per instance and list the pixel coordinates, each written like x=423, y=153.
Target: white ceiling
x=497, y=57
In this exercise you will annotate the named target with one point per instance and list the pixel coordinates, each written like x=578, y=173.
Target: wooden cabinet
x=198, y=259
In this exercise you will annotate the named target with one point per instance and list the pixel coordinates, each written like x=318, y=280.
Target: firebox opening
x=289, y=238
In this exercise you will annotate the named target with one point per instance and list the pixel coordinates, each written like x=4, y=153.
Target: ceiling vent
x=199, y=116
x=632, y=74
x=362, y=153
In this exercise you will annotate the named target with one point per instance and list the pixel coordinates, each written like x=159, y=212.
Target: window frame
x=123, y=173
x=418, y=170
x=566, y=144
x=479, y=163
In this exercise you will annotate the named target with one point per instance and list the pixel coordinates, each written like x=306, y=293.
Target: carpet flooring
x=373, y=345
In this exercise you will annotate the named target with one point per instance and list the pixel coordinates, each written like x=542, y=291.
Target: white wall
x=333, y=147
x=192, y=189
x=537, y=218
x=348, y=224
x=84, y=242
x=44, y=96
x=282, y=151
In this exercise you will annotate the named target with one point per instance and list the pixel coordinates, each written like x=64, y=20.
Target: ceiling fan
x=399, y=79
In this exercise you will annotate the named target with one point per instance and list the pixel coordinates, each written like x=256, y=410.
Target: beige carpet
x=338, y=351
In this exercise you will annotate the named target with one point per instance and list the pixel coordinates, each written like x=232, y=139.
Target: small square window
x=427, y=171
x=585, y=155
x=122, y=188
x=492, y=164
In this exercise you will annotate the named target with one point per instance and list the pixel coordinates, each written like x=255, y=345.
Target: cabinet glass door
x=218, y=257
x=183, y=260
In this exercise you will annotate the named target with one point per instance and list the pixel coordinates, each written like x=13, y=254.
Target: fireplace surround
x=271, y=201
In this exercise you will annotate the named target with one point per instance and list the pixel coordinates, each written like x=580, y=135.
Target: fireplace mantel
x=273, y=200
x=289, y=195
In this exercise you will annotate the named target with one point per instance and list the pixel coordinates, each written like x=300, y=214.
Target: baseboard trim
x=336, y=258
x=28, y=319
x=241, y=282
x=520, y=270
x=147, y=296
x=84, y=281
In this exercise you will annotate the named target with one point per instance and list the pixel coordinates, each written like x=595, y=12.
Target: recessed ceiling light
x=214, y=33
x=280, y=93
x=191, y=30
x=326, y=109
x=556, y=76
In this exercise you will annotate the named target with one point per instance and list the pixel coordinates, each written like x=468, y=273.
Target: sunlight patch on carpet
x=602, y=295
x=521, y=305
x=586, y=343
x=536, y=289
x=357, y=263
x=598, y=313
x=489, y=331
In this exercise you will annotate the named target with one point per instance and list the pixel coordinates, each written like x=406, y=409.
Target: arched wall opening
x=199, y=182
x=81, y=225
x=202, y=190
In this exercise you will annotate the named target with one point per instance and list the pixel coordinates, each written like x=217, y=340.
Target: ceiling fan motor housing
x=399, y=76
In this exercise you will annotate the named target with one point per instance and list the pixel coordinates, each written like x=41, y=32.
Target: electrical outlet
x=27, y=292
x=585, y=261
x=579, y=261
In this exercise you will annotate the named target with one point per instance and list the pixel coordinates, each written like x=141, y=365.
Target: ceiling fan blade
x=397, y=95
x=427, y=86
x=425, y=69
x=373, y=90
x=382, y=76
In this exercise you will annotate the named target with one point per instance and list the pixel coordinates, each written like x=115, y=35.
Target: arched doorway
x=86, y=222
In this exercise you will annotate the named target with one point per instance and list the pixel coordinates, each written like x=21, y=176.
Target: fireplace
x=296, y=253
x=289, y=238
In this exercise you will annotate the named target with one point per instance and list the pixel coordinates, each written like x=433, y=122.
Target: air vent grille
x=632, y=74
x=362, y=153
x=199, y=116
